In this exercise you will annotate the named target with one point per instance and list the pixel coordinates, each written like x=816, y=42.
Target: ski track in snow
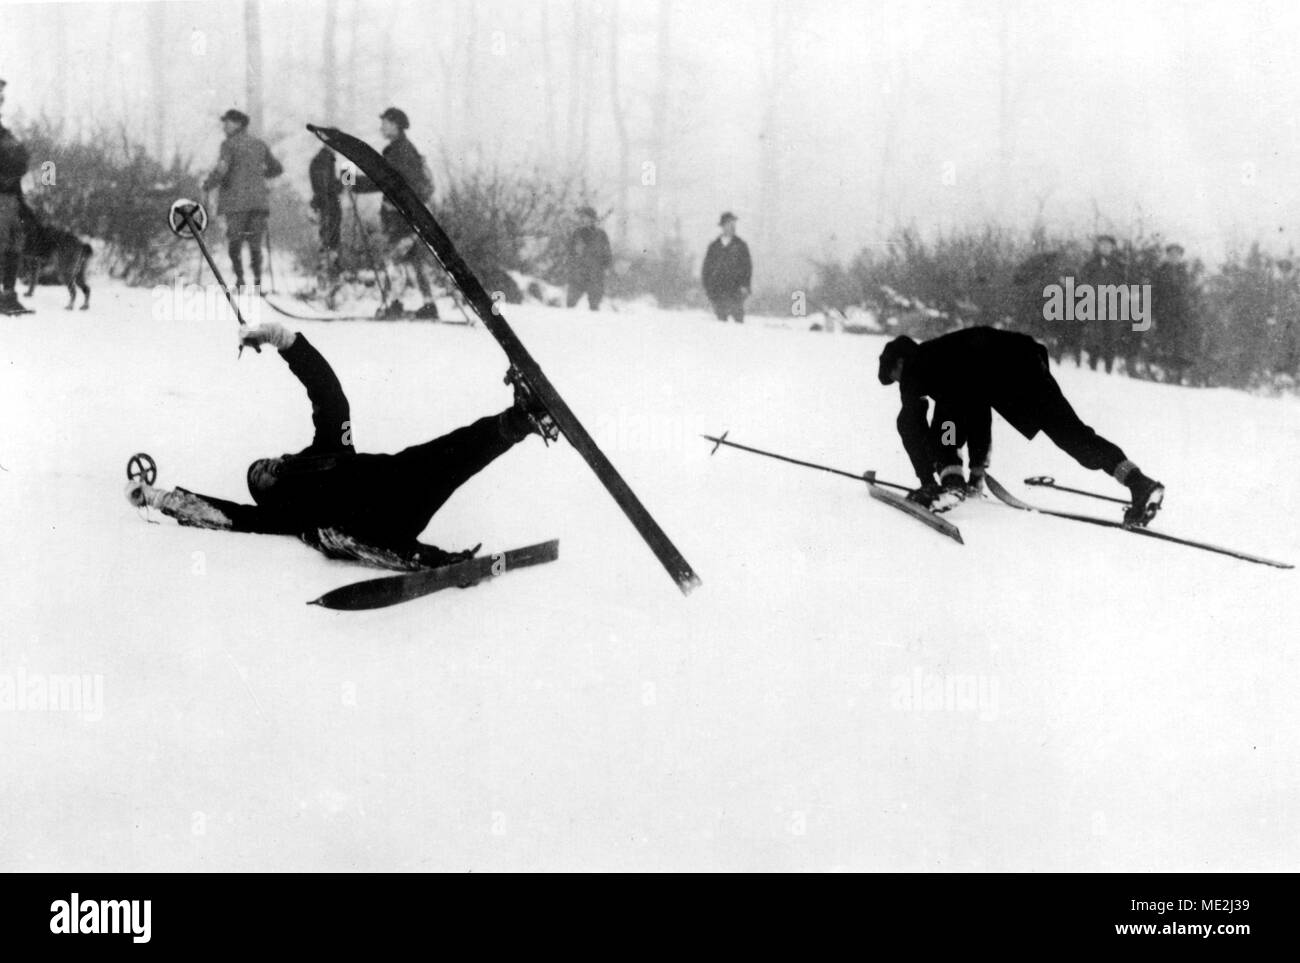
x=1134, y=702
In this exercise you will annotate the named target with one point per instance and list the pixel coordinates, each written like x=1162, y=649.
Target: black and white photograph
x=641, y=436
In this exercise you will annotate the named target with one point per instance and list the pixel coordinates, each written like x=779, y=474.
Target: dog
x=54, y=256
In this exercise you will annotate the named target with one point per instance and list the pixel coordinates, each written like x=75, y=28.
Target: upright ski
x=422, y=221
x=378, y=593
x=1012, y=501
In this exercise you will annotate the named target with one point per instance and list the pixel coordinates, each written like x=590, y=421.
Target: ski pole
x=188, y=219
x=1047, y=481
x=867, y=476
x=365, y=244
x=270, y=257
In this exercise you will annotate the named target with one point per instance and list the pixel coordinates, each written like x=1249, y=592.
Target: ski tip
x=689, y=583
x=320, y=601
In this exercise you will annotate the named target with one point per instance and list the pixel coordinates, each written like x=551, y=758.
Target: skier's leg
x=719, y=309
x=255, y=234
x=947, y=435
x=595, y=293
x=424, y=476
x=236, y=226
x=1062, y=424
x=574, y=295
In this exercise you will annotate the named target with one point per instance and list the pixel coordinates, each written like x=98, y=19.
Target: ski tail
x=1012, y=501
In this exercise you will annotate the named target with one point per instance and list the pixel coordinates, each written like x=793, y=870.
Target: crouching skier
x=970, y=374
x=364, y=507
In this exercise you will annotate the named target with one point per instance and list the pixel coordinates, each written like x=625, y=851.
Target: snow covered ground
x=846, y=690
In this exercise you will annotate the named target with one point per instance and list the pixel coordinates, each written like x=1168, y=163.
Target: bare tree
x=659, y=113
x=548, y=77
x=329, y=63
x=620, y=122
x=253, y=62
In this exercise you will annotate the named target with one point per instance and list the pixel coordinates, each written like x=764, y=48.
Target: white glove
x=276, y=335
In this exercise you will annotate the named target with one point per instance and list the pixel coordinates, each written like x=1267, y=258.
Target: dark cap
x=587, y=211
x=901, y=347
x=1103, y=238
x=726, y=216
x=397, y=116
x=238, y=116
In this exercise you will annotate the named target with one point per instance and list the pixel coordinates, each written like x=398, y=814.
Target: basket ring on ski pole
x=141, y=467
x=180, y=224
x=1047, y=480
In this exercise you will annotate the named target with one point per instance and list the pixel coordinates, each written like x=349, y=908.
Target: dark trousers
x=593, y=288
x=247, y=226
x=972, y=425
x=729, y=305
x=417, y=481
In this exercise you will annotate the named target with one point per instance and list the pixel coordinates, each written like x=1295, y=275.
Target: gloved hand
x=276, y=335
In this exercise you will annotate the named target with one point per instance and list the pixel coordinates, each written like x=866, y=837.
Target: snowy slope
x=1112, y=702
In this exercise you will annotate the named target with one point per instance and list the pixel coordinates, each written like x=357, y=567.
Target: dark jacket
x=589, y=253
x=727, y=269
x=966, y=372
x=13, y=163
x=242, y=168
x=402, y=157
x=325, y=187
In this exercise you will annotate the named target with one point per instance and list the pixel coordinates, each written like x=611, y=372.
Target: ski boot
x=527, y=402
x=10, y=305
x=1147, y=497
x=426, y=312
x=394, y=310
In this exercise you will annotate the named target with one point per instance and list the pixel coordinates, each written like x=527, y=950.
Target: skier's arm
x=330, y=412
x=746, y=267
x=218, y=176
x=273, y=167
x=914, y=429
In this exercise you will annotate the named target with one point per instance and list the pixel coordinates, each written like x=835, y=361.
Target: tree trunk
x=329, y=63
x=659, y=118
x=253, y=63
x=620, y=124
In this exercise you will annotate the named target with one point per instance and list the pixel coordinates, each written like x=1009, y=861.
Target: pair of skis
x=878, y=490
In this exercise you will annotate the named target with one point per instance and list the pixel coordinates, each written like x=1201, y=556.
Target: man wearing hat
x=589, y=259
x=405, y=247
x=971, y=373
x=243, y=167
x=13, y=166
x=1100, y=337
x=727, y=271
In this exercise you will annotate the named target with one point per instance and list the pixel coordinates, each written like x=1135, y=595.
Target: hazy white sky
x=1181, y=116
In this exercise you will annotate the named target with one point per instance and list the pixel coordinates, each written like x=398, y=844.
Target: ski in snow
x=378, y=593
x=920, y=513
x=422, y=221
x=1012, y=501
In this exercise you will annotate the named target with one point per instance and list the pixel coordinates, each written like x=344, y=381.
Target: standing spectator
x=1101, y=270
x=1177, y=341
x=589, y=259
x=13, y=165
x=728, y=271
x=243, y=167
x=325, y=190
x=404, y=246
